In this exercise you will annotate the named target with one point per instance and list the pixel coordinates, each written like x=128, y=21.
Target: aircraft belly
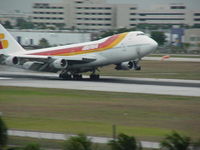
x=112, y=56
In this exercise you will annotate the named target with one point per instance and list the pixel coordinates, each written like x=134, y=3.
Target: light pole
x=114, y=131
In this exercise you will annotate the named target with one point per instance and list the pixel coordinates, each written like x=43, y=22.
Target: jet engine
x=128, y=65
x=124, y=65
x=12, y=60
x=60, y=64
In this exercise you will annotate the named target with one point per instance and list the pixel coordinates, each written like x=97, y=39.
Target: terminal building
x=99, y=15
x=192, y=39
x=55, y=38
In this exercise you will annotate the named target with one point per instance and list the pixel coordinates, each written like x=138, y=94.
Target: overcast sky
x=25, y=5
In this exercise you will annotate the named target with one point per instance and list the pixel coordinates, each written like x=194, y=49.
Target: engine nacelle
x=60, y=64
x=125, y=65
x=28, y=64
x=12, y=60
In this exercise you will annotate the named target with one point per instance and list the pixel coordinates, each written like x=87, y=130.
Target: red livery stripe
x=109, y=43
x=1, y=45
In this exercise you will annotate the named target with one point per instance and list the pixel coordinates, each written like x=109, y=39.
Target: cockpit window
x=138, y=34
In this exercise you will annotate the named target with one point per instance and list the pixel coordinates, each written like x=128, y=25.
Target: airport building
x=32, y=37
x=49, y=13
x=77, y=14
x=12, y=17
x=192, y=39
x=99, y=15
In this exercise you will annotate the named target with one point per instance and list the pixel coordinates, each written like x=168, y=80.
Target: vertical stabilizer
x=8, y=45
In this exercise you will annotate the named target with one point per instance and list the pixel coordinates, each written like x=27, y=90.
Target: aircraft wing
x=44, y=63
x=72, y=59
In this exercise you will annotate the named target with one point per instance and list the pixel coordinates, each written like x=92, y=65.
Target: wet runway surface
x=15, y=76
x=105, y=83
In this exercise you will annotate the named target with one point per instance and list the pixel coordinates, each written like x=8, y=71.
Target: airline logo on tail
x=3, y=43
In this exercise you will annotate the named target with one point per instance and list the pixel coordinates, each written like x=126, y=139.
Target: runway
x=106, y=83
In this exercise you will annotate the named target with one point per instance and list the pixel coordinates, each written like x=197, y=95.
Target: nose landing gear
x=136, y=66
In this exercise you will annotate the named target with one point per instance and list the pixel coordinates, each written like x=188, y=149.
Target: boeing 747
x=124, y=50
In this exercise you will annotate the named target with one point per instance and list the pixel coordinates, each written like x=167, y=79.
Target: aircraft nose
x=153, y=44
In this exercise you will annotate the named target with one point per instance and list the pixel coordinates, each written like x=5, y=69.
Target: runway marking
x=2, y=78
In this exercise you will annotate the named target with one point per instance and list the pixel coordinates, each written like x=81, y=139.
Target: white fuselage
x=77, y=58
x=133, y=47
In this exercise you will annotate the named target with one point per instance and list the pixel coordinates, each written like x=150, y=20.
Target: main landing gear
x=66, y=76
x=94, y=76
x=70, y=76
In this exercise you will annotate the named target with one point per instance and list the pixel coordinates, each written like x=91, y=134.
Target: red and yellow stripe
x=109, y=43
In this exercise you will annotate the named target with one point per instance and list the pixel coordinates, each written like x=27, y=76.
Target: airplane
x=125, y=50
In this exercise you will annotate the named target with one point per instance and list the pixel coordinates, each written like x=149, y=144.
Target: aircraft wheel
x=94, y=76
x=77, y=76
x=138, y=68
x=65, y=76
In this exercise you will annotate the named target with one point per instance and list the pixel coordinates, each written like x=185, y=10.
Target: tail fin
x=8, y=45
